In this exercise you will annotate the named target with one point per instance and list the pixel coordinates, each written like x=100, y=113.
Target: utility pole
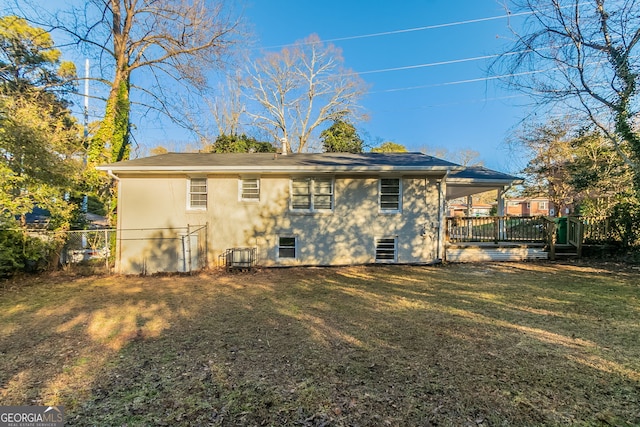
x=85, y=198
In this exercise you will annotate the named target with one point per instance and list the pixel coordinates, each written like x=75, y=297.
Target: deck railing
x=597, y=229
x=579, y=231
x=497, y=229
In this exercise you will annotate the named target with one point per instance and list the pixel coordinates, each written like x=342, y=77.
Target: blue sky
x=447, y=114
x=441, y=112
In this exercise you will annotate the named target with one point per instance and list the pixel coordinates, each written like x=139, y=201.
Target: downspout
x=118, y=221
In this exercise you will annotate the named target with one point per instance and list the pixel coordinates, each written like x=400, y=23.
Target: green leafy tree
x=341, y=137
x=28, y=61
x=599, y=173
x=39, y=139
x=239, y=144
x=389, y=147
x=550, y=152
x=40, y=145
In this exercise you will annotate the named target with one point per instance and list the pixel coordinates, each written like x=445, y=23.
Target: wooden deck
x=472, y=239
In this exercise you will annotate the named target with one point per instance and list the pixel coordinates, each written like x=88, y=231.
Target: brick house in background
x=529, y=207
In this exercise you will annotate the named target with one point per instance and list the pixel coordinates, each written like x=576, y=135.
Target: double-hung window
x=197, y=193
x=312, y=194
x=250, y=189
x=390, y=194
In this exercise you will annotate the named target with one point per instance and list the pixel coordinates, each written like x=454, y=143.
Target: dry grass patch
x=490, y=344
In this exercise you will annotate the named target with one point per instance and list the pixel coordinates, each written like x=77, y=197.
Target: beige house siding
x=153, y=214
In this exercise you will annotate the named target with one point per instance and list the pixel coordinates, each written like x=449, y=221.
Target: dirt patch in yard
x=481, y=344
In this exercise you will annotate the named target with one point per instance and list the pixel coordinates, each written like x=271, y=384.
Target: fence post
x=189, y=247
x=496, y=229
x=580, y=236
x=106, y=252
x=552, y=239
x=447, y=230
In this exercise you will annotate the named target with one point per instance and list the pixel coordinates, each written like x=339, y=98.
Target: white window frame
x=386, y=210
x=295, y=247
x=190, y=205
x=543, y=205
x=313, y=193
x=395, y=250
x=241, y=195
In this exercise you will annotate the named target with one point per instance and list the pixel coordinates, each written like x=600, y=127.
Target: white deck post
x=469, y=215
x=501, y=213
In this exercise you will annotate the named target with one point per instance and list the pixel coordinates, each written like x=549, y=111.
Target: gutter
x=271, y=170
x=110, y=173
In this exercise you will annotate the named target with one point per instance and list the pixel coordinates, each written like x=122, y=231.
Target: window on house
x=287, y=247
x=312, y=194
x=543, y=205
x=323, y=193
x=250, y=189
x=198, y=193
x=390, y=194
x=386, y=249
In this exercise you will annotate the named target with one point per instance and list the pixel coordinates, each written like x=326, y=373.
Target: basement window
x=287, y=247
x=386, y=249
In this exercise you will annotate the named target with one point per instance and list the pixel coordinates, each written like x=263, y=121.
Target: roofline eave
x=258, y=170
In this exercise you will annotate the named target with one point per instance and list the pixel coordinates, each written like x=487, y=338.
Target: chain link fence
x=101, y=251
x=152, y=250
x=89, y=248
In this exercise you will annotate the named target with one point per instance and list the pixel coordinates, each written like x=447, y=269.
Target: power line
x=407, y=30
x=450, y=104
x=435, y=64
x=480, y=79
x=414, y=29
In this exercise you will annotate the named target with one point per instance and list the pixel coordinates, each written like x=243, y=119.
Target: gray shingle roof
x=260, y=163
x=270, y=162
x=477, y=173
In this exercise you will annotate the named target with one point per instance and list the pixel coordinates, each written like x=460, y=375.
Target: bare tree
x=227, y=107
x=169, y=43
x=583, y=54
x=300, y=88
x=462, y=156
x=223, y=112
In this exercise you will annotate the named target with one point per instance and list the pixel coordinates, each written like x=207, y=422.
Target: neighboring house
x=529, y=207
x=296, y=209
x=477, y=209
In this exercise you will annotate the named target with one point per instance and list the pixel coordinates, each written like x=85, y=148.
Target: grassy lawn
x=489, y=345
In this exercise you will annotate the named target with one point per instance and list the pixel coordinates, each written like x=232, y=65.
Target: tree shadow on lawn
x=361, y=345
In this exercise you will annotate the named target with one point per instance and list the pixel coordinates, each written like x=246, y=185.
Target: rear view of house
x=180, y=212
